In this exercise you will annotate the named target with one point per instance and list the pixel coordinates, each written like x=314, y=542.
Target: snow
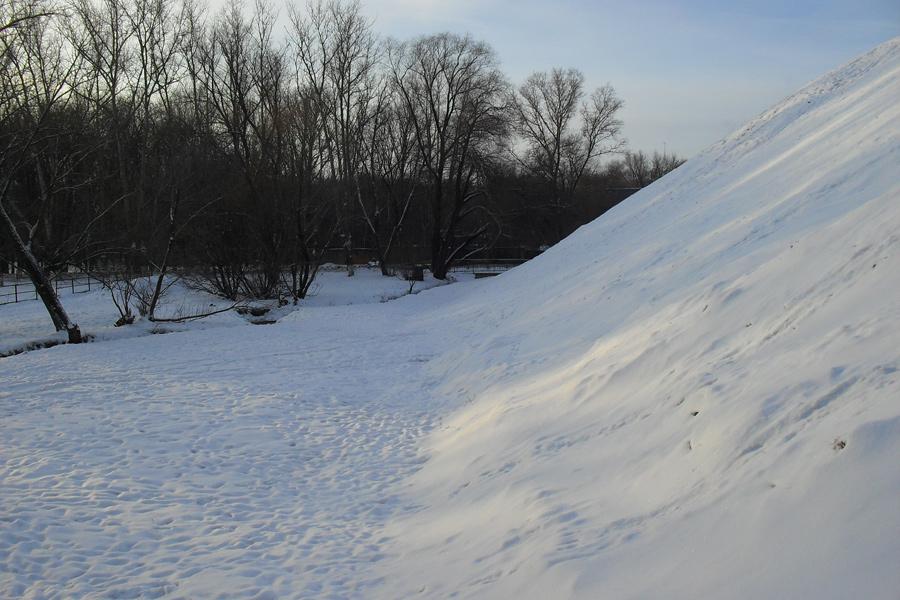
x=757, y=287
x=235, y=460
x=148, y=468
x=27, y=322
x=695, y=395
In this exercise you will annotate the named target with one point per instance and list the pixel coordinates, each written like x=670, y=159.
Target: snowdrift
x=694, y=396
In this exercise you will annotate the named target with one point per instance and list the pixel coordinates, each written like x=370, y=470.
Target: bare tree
x=564, y=133
x=663, y=163
x=245, y=77
x=311, y=229
x=640, y=170
x=455, y=96
x=34, y=68
x=392, y=175
x=101, y=33
x=125, y=119
x=337, y=55
x=637, y=168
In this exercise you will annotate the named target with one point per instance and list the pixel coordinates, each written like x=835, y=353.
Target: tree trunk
x=41, y=282
x=438, y=264
x=164, y=266
x=439, y=272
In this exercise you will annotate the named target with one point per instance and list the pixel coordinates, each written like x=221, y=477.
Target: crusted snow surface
x=695, y=396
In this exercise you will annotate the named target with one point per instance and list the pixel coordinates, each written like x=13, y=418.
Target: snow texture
x=694, y=396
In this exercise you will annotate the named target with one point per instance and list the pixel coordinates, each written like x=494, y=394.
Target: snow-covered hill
x=696, y=395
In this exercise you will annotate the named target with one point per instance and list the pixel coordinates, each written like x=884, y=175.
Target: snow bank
x=697, y=394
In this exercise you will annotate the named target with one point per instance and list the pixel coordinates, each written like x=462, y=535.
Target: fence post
x=16, y=290
x=73, y=285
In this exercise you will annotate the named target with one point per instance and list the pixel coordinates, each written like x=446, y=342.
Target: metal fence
x=486, y=265
x=14, y=288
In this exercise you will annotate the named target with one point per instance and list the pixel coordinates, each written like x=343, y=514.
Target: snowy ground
x=695, y=396
x=94, y=311
x=238, y=460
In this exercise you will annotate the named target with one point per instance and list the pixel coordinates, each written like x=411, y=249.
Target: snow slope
x=694, y=396
x=656, y=406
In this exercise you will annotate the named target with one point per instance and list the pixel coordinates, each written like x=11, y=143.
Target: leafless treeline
x=154, y=132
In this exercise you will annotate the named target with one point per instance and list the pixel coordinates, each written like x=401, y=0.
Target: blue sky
x=690, y=72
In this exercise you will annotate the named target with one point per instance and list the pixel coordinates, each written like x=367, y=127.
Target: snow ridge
x=696, y=394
